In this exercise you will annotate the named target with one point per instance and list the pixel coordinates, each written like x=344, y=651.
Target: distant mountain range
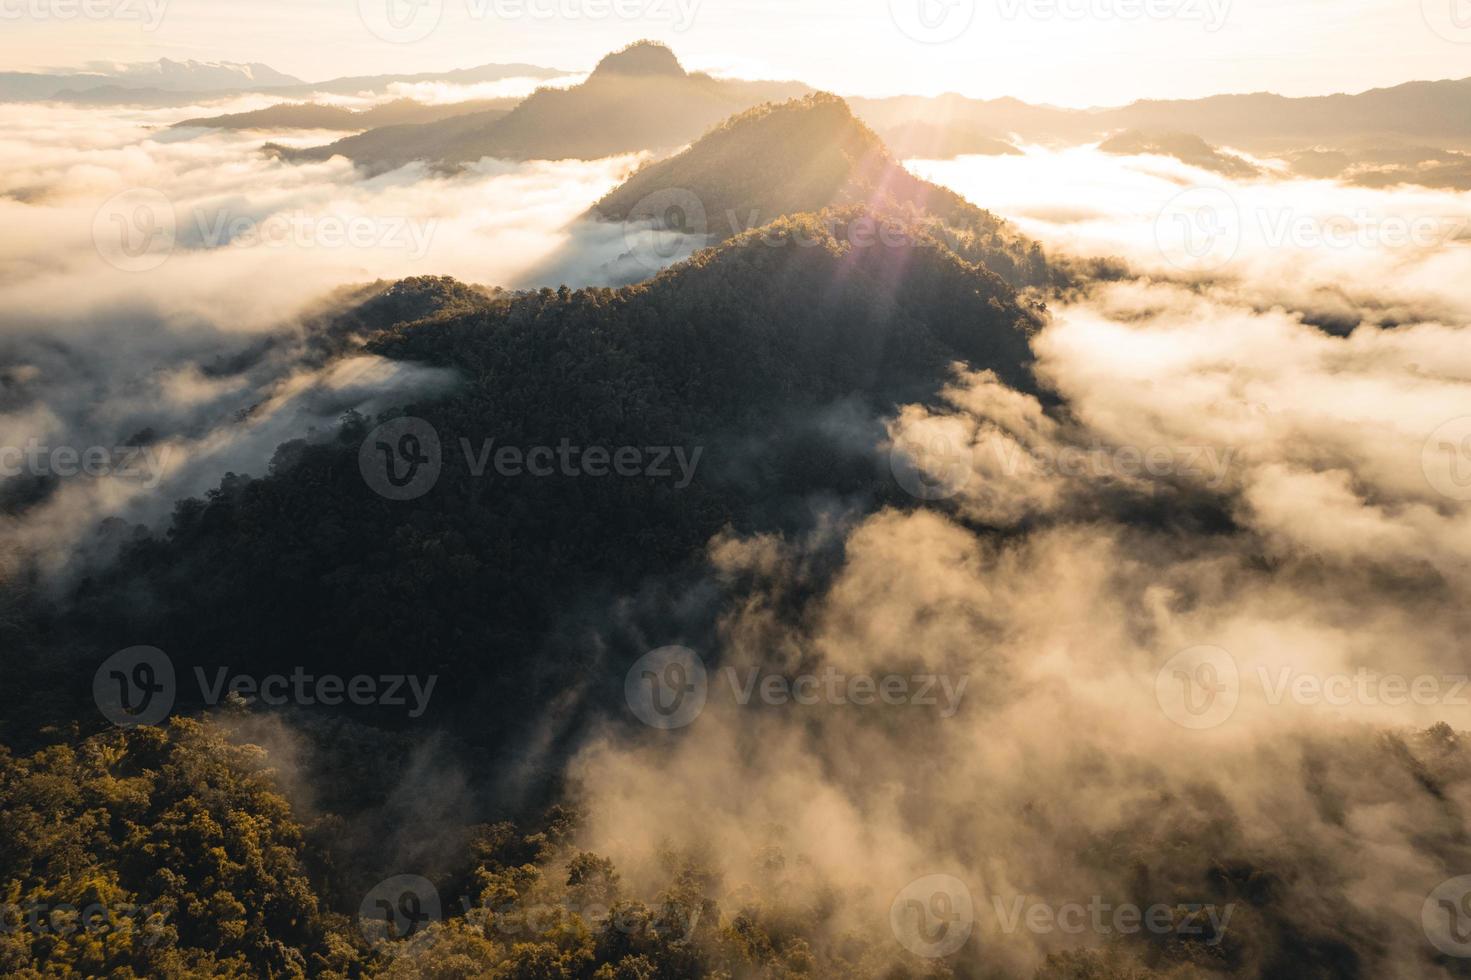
x=1418, y=132
x=158, y=77
x=308, y=115
x=1260, y=122
x=642, y=99
x=637, y=99
x=166, y=82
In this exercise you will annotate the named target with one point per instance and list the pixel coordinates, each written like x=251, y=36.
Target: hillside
x=927, y=141
x=308, y=115
x=714, y=354
x=1415, y=133
x=809, y=154
x=168, y=82
x=1184, y=147
x=636, y=99
x=1438, y=110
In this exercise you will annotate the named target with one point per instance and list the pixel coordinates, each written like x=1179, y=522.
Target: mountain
x=728, y=352
x=155, y=78
x=298, y=115
x=167, y=82
x=807, y=155
x=1184, y=147
x=1415, y=133
x=636, y=99
x=199, y=76
x=1438, y=110
x=1419, y=110
x=928, y=141
x=354, y=84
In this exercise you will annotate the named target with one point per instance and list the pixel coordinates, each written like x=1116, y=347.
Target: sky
x=1065, y=52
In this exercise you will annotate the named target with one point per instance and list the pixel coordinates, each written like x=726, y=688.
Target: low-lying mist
x=1197, y=613
x=154, y=285
x=1181, y=626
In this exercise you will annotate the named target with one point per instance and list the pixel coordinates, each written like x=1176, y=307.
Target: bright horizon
x=1074, y=53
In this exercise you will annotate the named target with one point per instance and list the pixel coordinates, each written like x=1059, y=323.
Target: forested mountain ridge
x=636, y=99
x=772, y=325
x=310, y=115
x=809, y=154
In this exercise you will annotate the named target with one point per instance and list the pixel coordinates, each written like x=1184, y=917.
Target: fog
x=138, y=263
x=1251, y=468
x=1226, y=496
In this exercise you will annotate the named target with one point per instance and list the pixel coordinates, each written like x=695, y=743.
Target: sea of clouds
x=138, y=261
x=1204, y=608
x=1256, y=460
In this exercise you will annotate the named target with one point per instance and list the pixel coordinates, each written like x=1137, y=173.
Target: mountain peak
x=642, y=58
x=808, y=155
